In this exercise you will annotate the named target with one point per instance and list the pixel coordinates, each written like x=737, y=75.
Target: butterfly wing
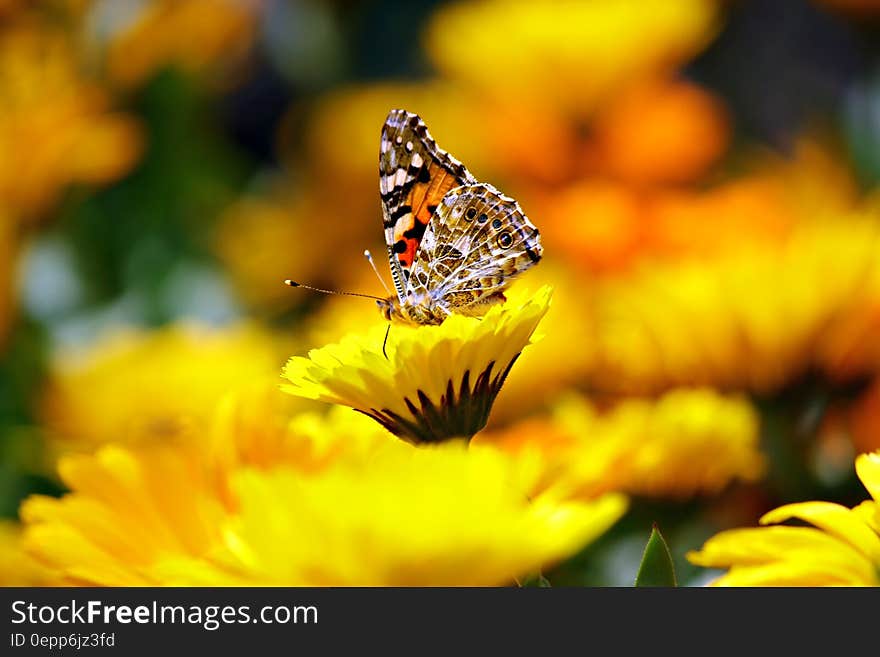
x=414, y=176
x=478, y=241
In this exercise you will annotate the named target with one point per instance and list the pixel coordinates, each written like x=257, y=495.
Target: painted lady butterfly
x=454, y=243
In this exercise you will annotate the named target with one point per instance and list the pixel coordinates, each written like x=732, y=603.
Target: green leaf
x=656, y=568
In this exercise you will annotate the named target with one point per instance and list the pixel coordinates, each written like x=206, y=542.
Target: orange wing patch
x=423, y=199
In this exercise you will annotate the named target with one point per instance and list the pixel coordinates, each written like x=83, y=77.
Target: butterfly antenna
x=322, y=291
x=369, y=257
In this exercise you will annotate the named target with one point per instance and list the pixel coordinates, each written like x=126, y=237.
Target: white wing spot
x=409, y=146
x=417, y=160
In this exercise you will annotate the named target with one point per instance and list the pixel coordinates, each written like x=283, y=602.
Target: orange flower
x=57, y=123
x=660, y=132
x=191, y=34
x=612, y=226
x=596, y=224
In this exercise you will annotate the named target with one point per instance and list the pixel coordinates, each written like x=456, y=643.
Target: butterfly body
x=454, y=243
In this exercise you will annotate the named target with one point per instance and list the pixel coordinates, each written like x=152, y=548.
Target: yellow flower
x=17, y=567
x=405, y=516
x=128, y=513
x=755, y=318
x=439, y=515
x=276, y=225
x=57, y=123
x=191, y=34
x=635, y=220
x=438, y=382
x=259, y=426
x=842, y=548
x=139, y=386
x=686, y=442
x=589, y=47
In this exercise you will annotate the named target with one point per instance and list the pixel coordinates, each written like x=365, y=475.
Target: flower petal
x=868, y=469
x=788, y=573
x=835, y=519
x=759, y=554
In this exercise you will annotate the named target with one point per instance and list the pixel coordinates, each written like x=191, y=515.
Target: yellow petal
x=787, y=573
x=762, y=549
x=756, y=545
x=835, y=519
x=869, y=512
x=868, y=469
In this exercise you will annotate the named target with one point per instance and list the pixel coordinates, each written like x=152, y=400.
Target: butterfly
x=454, y=243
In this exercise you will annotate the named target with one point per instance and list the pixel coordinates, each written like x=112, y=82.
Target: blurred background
x=702, y=173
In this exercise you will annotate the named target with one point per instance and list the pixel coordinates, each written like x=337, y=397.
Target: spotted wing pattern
x=414, y=176
x=477, y=242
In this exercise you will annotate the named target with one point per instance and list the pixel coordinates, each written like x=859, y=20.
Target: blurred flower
x=261, y=427
x=57, y=122
x=686, y=442
x=276, y=229
x=628, y=222
x=841, y=549
x=129, y=512
x=17, y=567
x=590, y=47
x=752, y=319
x=405, y=516
x=9, y=7
x=660, y=132
x=342, y=138
x=192, y=34
x=625, y=226
x=139, y=386
x=564, y=350
x=680, y=130
x=287, y=234
x=438, y=382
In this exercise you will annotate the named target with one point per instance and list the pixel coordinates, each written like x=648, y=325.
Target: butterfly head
x=414, y=311
x=390, y=308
